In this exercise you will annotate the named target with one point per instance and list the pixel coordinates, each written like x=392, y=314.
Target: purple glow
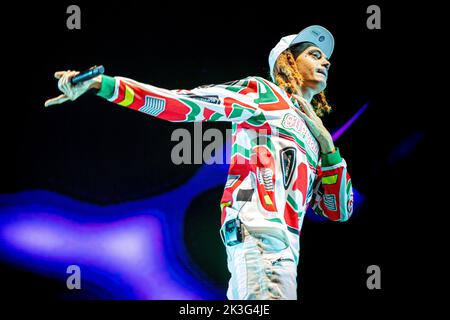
x=133, y=250
x=405, y=147
x=342, y=129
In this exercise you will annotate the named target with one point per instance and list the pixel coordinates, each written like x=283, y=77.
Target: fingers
x=307, y=108
x=57, y=100
x=69, y=86
x=61, y=79
x=65, y=85
x=59, y=74
x=312, y=125
x=309, y=111
x=304, y=116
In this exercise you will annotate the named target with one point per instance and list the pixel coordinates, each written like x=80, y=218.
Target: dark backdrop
x=100, y=153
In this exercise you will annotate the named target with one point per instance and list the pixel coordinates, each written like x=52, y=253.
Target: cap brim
x=318, y=35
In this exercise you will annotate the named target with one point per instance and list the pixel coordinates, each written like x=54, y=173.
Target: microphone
x=87, y=74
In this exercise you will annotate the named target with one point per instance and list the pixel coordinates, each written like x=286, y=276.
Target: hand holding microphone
x=73, y=84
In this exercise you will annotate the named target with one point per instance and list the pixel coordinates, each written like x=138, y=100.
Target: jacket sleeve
x=333, y=192
x=232, y=101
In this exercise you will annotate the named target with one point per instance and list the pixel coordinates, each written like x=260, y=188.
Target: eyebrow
x=319, y=51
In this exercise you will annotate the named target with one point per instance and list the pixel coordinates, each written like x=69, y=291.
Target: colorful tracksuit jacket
x=276, y=169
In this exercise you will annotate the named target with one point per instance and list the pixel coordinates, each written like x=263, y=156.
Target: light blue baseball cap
x=318, y=35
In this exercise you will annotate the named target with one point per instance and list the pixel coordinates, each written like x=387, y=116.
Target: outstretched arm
x=232, y=101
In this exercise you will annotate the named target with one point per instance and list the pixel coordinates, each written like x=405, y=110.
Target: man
x=283, y=158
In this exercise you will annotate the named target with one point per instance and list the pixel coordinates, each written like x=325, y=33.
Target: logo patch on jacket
x=288, y=161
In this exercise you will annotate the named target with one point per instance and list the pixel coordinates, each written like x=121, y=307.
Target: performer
x=283, y=158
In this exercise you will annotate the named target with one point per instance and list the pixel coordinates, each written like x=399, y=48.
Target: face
x=313, y=66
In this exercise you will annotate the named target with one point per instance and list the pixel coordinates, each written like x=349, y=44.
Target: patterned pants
x=261, y=269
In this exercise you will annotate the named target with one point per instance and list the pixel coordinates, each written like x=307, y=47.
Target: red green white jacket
x=276, y=169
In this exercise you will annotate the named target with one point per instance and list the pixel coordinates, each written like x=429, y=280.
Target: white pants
x=261, y=269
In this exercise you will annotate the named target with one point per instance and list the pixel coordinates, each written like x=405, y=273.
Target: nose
x=326, y=64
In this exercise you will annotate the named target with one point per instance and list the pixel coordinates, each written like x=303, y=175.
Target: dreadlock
x=288, y=78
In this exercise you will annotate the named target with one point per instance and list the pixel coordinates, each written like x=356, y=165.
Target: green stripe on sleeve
x=330, y=159
x=107, y=89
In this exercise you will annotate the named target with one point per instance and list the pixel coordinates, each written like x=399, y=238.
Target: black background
x=100, y=153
